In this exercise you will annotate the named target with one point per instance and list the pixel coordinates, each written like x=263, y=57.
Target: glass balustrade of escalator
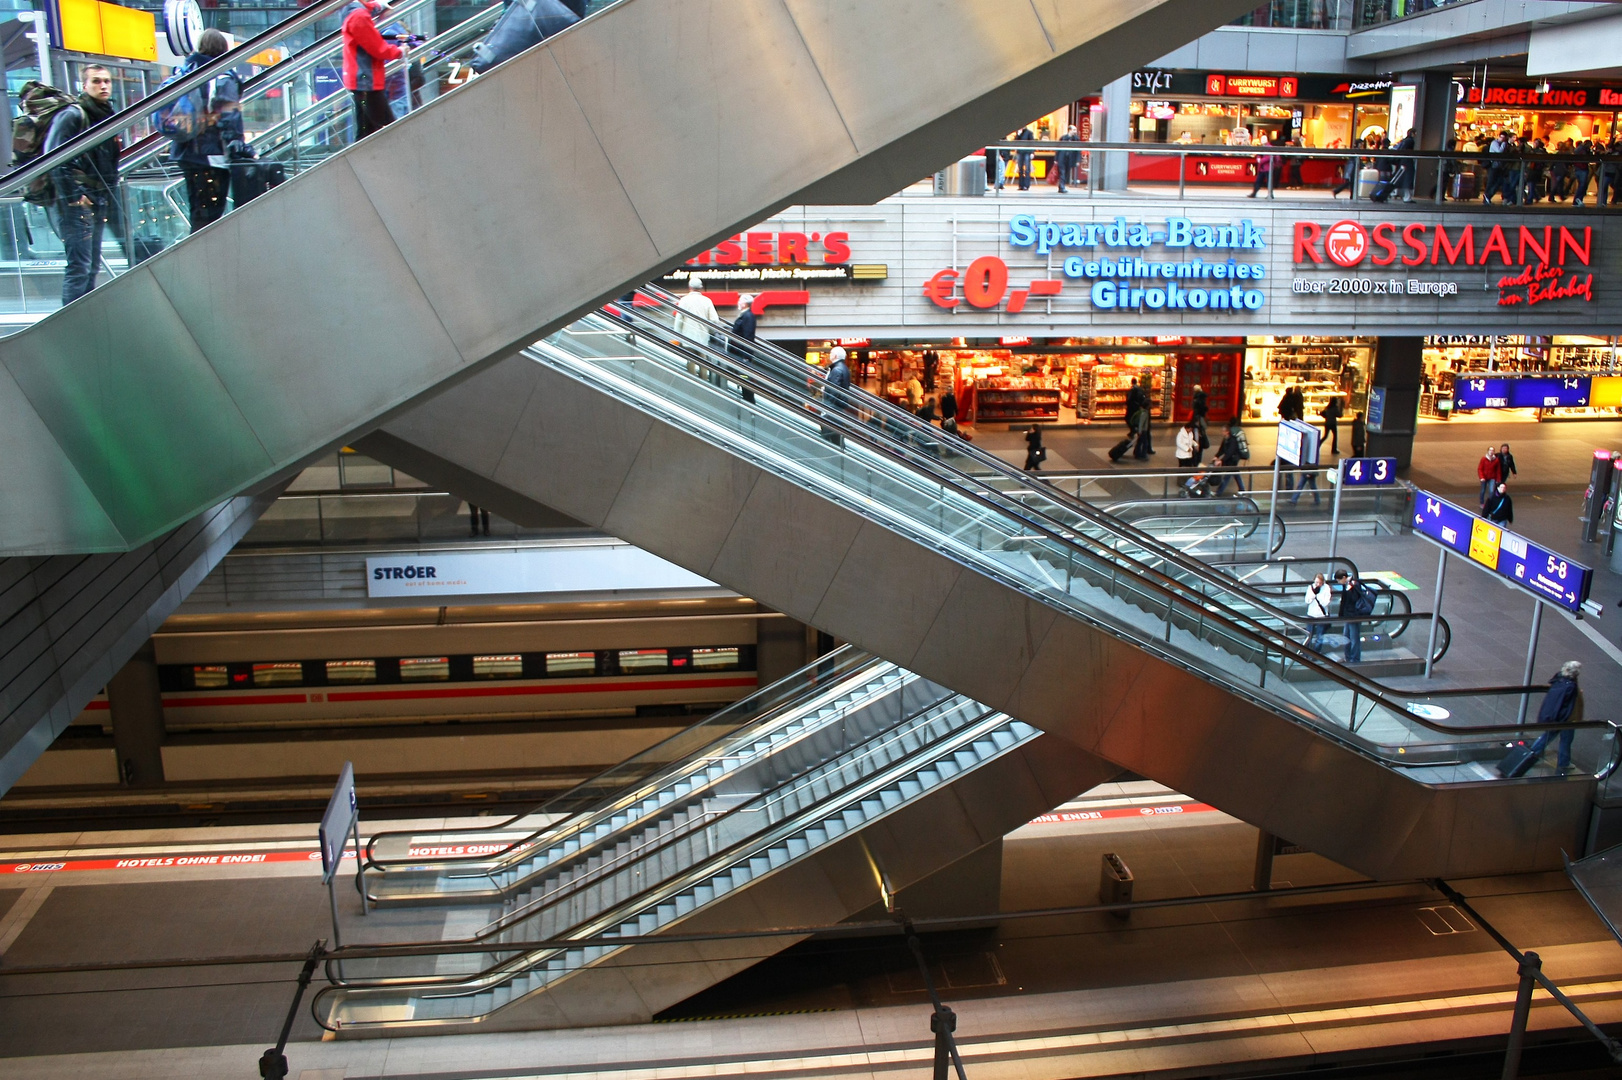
x=1185, y=522
x=295, y=114
x=680, y=872
x=424, y=864
x=888, y=467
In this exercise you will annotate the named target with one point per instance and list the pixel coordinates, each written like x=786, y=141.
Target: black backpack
x=1362, y=599
x=40, y=104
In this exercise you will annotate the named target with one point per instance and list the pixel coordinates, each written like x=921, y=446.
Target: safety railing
x=294, y=113
x=1524, y=178
x=622, y=784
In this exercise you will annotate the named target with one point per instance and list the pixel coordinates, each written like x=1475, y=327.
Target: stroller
x=1199, y=486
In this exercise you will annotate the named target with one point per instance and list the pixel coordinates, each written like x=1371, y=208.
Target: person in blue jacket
x=203, y=126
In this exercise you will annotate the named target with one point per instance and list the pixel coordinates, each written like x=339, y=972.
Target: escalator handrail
x=871, y=691
x=857, y=791
x=1124, y=529
x=1057, y=531
x=760, y=801
x=829, y=666
x=139, y=154
x=1108, y=521
x=765, y=380
x=130, y=115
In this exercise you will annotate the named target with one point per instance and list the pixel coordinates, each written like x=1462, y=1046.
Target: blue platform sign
x=1522, y=392
x=1376, y=410
x=1368, y=471
x=1545, y=574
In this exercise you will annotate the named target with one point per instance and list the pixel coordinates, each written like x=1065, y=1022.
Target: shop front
x=1233, y=109
x=1049, y=310
x=1554, y=114
x=1451, y=359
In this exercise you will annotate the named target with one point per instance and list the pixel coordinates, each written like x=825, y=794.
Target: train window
x=351, y=671
x=571, y=663
x=209, y=677
x=425, y=668
x=639, y=661
x=498, y=667
x=284, y=674
x=713, y=659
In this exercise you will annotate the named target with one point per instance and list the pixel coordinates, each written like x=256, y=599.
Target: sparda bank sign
x=1538, y=264
x=1201, y=266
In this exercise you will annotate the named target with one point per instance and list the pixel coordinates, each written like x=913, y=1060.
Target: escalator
x=812, y=800
x=503, y=207
x=858, y=519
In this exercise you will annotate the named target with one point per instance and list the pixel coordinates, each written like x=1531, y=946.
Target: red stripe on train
x=515, y=691
x=175, y=701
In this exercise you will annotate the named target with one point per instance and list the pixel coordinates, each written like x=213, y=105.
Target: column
x=136, y=705
x=1116, y=99
x=782, y=646
x=1433, y=119
x=1393, y=414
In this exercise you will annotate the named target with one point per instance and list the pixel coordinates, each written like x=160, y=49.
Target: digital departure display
x=1522, y=392
x=1543, y=573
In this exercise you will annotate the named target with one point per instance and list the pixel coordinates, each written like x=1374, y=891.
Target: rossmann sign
x=1529, y=264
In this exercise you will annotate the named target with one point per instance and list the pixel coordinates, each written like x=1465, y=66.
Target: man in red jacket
x=365, y=55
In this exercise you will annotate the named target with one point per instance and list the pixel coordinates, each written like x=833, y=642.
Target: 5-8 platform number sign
x=1368, y=472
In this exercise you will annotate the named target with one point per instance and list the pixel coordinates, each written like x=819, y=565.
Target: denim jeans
x=1354, y=642
x=1563, y=756
x=1315, y=636
x=81, y=228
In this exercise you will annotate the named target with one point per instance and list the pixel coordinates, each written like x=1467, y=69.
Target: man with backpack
x=1356, y=598
x=86, y=187
x=203, y=127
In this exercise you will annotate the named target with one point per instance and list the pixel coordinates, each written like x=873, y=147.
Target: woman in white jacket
x=1188, y=445
x=1319, y=595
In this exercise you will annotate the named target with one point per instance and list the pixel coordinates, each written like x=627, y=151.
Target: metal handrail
x=1109, y=522
x=1259, y=150
x=523, y=850
x=831, y=665
x=983, y=720
x=718, y=361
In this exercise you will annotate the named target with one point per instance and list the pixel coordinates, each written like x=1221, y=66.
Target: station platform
x=1297, y=978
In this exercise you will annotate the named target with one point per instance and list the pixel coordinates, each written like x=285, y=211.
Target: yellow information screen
x=1605, y=391
x=1484, y=543
x=108, y=30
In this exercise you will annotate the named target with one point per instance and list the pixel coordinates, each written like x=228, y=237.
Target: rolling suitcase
x=1464, y=186
x=1119, y=450
x=1517, y=761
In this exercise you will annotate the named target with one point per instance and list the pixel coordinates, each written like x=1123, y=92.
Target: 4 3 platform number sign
x=1368, y=472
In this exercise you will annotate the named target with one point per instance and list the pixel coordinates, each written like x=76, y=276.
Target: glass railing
x=671, y=877
x=1551, y=177
x=1301, y=15
x=1162, y=533
x=889, y=467
x=829, y=722
x=295, y=114
x=337, y=518
x=485, y=850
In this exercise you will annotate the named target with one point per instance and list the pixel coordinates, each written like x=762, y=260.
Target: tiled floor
x=1042, y=998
